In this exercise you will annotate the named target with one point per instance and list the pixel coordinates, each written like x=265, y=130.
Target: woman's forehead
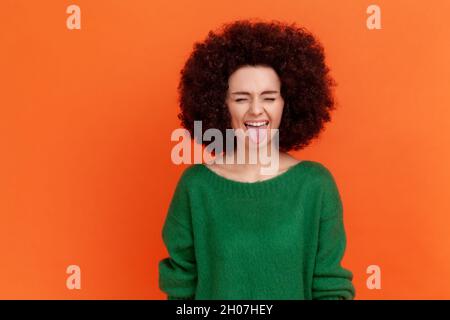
x=254, y=79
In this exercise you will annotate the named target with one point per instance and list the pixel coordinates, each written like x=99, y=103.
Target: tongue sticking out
x=257, y=135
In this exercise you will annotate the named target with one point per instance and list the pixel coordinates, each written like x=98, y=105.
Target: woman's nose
x=256, y=108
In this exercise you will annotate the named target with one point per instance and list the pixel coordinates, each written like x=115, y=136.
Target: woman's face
x=254, y=101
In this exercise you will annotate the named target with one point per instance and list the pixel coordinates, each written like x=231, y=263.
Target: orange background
x=86, y=117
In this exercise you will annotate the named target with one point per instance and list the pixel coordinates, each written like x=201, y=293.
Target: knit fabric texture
x=282, y=238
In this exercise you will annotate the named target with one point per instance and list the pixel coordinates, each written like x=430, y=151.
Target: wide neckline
x=256, y=188
x=255, y=182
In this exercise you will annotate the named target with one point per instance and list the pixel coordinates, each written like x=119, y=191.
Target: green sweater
x=280, y=238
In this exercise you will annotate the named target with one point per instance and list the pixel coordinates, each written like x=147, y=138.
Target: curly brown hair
x=292, y=51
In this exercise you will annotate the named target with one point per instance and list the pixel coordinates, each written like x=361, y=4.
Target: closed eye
x=243, y=99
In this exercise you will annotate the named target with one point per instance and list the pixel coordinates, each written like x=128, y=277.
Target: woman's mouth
x=256, y=124
x=257, y=130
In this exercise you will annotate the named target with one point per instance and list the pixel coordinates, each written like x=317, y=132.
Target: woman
x=231, y=231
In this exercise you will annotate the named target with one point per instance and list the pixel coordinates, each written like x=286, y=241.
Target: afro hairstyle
x=294, y=54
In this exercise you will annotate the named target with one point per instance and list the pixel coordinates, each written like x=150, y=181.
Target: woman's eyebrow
x=247, y=93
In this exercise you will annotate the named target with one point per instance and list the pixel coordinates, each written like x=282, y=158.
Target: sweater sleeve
x=178, y=272
x=330, y=280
